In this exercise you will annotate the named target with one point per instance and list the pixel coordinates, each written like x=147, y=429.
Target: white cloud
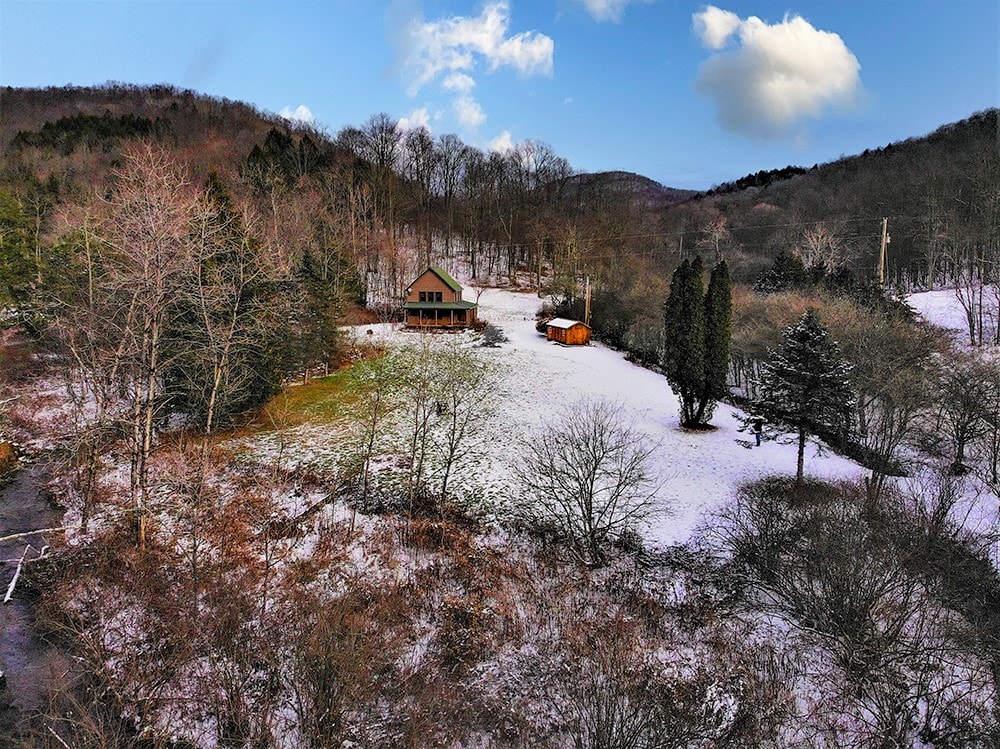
x=776, y=74
x=301, y=113
x=468, y=111
x=454, y=44
x=714, y=26
x=450, y=51
x=503, y=143
x=606, y=10
x=418, y=118
x=459, y=82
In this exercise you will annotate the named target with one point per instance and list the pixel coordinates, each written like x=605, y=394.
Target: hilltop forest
x=357, y=203
x=194, y=294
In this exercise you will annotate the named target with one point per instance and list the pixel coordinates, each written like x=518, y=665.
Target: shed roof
x=561, y=322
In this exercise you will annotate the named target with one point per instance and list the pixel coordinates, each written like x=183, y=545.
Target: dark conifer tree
x=786, y=273
x=319, y=316
x=806, y=383
x=223, y=352
x=718, y=337
x=18, y=269
x=684, y=338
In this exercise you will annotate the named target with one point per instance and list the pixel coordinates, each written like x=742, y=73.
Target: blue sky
x=689, y=94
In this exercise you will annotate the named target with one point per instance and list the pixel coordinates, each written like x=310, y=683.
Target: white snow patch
x=939, y=307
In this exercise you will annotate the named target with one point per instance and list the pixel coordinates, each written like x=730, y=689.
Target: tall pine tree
x=718, y=337
x=806, y=383
x=697, y=333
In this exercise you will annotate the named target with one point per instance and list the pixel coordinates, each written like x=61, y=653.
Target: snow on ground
x=698, y=472
x=939, y=307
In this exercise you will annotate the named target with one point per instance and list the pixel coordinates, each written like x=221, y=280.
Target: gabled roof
x=561, y=322
x=441, y=273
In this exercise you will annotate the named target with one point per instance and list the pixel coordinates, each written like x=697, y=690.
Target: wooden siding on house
x=434, y=281
x=434, y=300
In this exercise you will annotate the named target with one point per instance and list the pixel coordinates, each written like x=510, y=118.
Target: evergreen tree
x=806, y=383
x=684, y=339
x=697, y=333
x=19, y=269
x=718, y=338
x=17, y=266
x=786, y=273
x=223, y=351
x=320, y=312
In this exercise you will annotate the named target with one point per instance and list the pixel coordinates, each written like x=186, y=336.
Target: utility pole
x=586, y=302
x=883, y=260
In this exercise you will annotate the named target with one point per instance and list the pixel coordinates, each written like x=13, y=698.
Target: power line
x=680, y=234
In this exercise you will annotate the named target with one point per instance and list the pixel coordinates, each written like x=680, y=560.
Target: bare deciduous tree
x=586, y=478
x=821, y=247
x=148, y=231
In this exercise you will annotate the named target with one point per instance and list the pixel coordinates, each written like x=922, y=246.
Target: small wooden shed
x=568, y=332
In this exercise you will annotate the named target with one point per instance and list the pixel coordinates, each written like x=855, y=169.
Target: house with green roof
x=434, y=300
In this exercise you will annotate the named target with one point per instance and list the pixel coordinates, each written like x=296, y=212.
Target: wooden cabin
x=434, y=300
x=567, y=332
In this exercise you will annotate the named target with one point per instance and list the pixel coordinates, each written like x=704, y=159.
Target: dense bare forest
x=178, y=275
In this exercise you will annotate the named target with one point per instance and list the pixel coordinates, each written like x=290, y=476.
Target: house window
x=437, y=296
x=423, y=296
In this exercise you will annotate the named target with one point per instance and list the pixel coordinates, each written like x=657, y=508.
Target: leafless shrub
x=586, y=480
x=855, y=587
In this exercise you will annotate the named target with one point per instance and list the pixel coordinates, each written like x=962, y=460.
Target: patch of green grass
x=322, y=400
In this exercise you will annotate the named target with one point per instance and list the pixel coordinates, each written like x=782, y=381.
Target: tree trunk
x=802, y=451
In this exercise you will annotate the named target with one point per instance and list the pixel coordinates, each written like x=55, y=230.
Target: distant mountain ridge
x=645, y=192
x=209, y=133
x=937, y=192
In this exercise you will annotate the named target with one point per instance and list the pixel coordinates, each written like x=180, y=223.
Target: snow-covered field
x=696, y=472
x=939, y=307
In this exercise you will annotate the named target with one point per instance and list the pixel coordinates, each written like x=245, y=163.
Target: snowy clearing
x=696, y=473
x=941, y=308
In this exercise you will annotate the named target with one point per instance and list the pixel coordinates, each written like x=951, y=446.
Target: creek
x=28, y=662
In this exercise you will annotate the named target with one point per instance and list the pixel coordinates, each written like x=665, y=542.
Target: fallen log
x=17, y=574
x=15, y=536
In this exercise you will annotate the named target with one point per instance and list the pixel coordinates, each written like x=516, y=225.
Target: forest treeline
x=372, y=187
x=346, y=221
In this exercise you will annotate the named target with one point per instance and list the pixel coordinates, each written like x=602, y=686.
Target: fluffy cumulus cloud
x=714, y=26
x=606, y=10
x=468, y=112
x=451, y=51
x=301, y=113
x=766, y=78
x=503, y=143
x=418, y=118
